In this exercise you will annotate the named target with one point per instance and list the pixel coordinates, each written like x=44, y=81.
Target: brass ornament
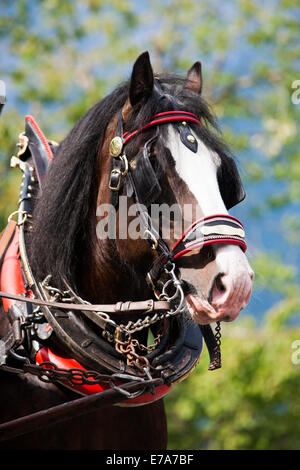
x=191, y=138
x=116, y=146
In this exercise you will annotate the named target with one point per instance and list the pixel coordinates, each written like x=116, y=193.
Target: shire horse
x=153, y=140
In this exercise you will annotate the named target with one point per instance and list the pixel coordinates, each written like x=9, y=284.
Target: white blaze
x=199, y=172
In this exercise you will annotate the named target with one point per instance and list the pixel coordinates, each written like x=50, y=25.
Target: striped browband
x=208, y=231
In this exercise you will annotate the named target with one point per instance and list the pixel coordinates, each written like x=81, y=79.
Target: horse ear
x=142, y=80
x=194, y=78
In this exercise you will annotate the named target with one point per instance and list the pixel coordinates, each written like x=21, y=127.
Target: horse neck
x=106, y=277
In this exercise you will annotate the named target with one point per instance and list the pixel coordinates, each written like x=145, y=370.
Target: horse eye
x=153, y=160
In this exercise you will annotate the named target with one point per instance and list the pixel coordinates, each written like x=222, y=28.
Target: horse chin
x=199, y=292
x=203, y=312
x=200, y=310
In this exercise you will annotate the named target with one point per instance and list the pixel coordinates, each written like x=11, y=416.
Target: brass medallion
x=116, y=146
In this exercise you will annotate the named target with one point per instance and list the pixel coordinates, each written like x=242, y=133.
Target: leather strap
x=6, y=237
x=163, y=118
x=142, y=306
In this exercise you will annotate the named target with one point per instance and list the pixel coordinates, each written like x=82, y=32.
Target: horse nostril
x=219, y=284
x=217, y=289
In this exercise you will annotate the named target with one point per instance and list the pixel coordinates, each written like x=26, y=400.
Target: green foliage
x=9, y=180
x=252, y=402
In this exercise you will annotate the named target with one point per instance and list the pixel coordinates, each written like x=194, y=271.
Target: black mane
x=64, y=216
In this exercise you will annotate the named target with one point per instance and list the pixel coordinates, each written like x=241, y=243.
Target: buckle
x=115, y=179
x=151, y=239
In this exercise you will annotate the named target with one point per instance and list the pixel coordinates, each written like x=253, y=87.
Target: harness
x=60, y=337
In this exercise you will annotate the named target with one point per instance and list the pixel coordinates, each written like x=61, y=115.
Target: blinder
x=144, y=177
x=141, y=173
x=230, y=184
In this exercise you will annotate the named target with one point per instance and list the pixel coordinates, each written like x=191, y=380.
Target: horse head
x=185, y=167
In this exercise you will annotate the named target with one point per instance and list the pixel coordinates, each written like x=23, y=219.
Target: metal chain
x=216, y=363
x=128, y=346
x=148, y=348
x=133, y=359
x=218, y=333
x=131, y=327
x=180, y=308
x=48, y=372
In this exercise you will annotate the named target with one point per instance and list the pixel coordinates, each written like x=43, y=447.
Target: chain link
x=148, y=348
x=216, y=362
x=49, y=372
x=133, y=359
x=180, y=308
x=218, y=333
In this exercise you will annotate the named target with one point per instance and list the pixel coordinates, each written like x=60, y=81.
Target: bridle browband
x=163, y=118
